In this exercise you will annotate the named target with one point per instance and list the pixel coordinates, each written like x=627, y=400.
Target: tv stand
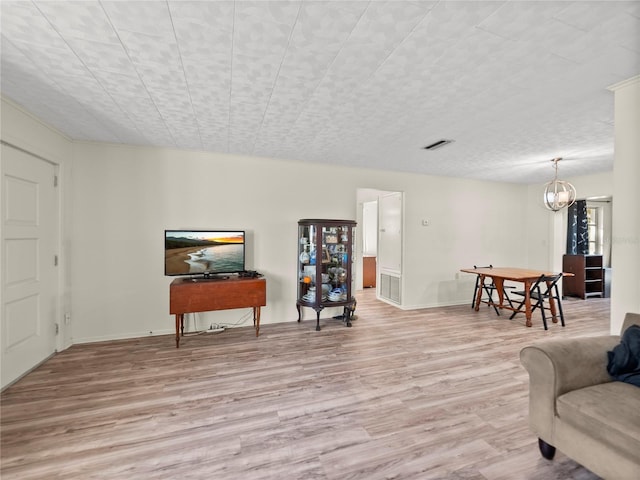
x=189, y=295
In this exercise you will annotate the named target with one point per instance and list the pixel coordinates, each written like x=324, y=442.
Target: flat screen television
x=203, y=252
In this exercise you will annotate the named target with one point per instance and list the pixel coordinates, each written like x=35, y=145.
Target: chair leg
x=506, y=295
x=517, y=310
x=490, y=299
x=544, y=317
x=536, y=305
x=559, y=302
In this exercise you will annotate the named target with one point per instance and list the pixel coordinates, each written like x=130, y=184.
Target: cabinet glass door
x=336, y=258
x=306, y=263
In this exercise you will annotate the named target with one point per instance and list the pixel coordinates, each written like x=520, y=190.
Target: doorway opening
x=379, y=252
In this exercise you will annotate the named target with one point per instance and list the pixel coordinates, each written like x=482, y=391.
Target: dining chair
x=489, y=287
x=544, y=288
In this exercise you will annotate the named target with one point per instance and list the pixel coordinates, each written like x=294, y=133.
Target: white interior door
x=28, y=275
x=390, y=238
x=389, y=285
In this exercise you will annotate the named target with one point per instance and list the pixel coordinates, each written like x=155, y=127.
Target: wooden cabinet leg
x=527, y=302
x=256, y=319
x=179, y=326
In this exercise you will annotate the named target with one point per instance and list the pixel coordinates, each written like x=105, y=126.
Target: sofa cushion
x=608, y=412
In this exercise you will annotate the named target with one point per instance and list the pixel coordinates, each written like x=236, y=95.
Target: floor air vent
x=390, y=288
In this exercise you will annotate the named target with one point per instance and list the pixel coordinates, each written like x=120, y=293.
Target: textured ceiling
x=364, y=84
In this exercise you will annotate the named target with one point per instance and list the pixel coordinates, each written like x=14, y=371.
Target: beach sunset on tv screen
x=192, y=252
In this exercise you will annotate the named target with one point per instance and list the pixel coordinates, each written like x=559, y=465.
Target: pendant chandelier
x=557, y=193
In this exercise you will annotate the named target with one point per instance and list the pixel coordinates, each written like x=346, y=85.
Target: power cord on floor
x=244, y=319
x=213, y=328
x=218, y=327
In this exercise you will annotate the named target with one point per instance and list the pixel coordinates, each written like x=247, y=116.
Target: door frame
x=62, y=339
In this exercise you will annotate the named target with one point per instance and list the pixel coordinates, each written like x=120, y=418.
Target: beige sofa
x=575, y=406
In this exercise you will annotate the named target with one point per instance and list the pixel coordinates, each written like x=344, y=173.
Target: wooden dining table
x=524, y=275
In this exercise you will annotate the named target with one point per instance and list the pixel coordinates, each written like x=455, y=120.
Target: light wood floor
x=427, y=394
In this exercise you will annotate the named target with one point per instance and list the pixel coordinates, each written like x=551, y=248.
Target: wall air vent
x=438, y=144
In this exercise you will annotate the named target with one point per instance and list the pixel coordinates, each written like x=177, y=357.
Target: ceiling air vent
x=438, y=144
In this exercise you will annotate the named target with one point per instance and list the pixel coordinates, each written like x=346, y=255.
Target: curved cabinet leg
x=298, y=307
x=318, y=309
x=349, y=311
x=347, y=315
x=547, y=451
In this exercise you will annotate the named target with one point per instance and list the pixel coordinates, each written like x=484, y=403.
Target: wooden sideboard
x=368, y=272
x=588, y=279
x=188, y=295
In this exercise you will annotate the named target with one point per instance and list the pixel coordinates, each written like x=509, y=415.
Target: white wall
x=625, y=248
x=117, y=201
x=469, y=222
x=124, y=197
x=596, y=185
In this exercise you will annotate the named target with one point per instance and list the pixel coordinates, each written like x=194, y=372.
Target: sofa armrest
x=560, y=366
x=630, y=319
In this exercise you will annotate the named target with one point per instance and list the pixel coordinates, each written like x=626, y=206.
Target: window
x=594, y=227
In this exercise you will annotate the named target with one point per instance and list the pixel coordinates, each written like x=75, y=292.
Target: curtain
x=577, y=231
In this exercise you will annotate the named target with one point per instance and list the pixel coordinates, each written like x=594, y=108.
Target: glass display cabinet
x=325, y=258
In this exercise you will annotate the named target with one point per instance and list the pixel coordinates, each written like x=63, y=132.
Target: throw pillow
x=624, y=360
